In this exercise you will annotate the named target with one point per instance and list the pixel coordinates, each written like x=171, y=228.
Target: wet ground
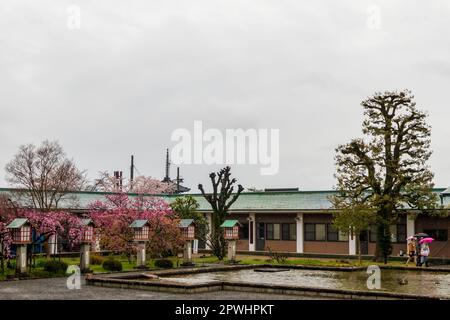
x=56, y=289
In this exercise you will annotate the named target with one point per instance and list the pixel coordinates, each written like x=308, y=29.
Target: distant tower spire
x=167, y=177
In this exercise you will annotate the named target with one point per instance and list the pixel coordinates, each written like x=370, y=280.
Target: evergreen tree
x=387, y=168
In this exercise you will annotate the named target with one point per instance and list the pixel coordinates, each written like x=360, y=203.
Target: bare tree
x=44, y=174
x=220, y=200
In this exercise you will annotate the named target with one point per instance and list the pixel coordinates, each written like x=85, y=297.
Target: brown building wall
x=276, y=217
x=317, y=218
x=437, y=248
x=242, y=245
x=396, y=247
x=281, y=245
x=340, y=247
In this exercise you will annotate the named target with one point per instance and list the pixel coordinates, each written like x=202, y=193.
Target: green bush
x=96, y=260
x=11, y=264
x=164, y=263
x=41, y=263
x=55, y=266
x=111, y=264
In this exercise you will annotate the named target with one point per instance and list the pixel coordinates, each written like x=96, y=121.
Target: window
x=315, y=231
x=397, y=231
x=401, y=233
x=437, y=234
x=321, y=232
x=289, y=231
x=343, y=237
x=251, y=232
x=332, y=233
x=393, y=231
x=310, y=234
x=273, y=231
x=243, y=231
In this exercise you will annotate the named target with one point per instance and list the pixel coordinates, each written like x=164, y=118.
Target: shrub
x=111, y=264
x=55, y=266
x=96, y=260
x=11, y=264
x=41, y=263
x=278, y=256
x=164, y=263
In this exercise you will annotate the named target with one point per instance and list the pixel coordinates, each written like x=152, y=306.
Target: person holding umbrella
x=418, y=238
x=425, y=250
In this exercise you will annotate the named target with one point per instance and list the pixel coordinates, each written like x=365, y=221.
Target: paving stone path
x=56, y=289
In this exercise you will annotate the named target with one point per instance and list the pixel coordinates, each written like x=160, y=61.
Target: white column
x=352, y=244
x=209, y=220
x=251, y=232
x=53, y=244
x=299, y=220
x=195, y=246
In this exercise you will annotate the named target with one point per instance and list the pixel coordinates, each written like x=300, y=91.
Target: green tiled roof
x=17, y=223
x=248, y=201
x=138, y=223
x=229, y=223
x=184, y=223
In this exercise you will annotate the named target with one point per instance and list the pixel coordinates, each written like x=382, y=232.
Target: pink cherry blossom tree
x=114, y=216
x=45, y=224
x=7, y=210
x=140, y=185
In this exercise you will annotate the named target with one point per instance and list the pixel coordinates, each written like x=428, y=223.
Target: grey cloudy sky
x=137, y=70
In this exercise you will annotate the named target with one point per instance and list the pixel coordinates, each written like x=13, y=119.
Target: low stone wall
x=134, y=280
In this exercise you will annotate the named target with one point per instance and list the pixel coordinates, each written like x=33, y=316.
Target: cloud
x=134, y=72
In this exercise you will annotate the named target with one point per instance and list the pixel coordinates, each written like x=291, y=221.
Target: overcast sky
x=137, y=70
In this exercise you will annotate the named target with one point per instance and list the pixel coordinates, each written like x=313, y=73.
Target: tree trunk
x=359, y=250
x=384, y=245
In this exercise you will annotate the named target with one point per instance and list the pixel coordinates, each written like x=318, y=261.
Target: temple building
x=301, y=222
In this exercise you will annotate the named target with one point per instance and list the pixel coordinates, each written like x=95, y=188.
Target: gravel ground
x=56, y=289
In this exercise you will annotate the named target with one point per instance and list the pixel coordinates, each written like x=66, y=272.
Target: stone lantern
x=231, y=235
x=20, y=229
x=187, y=228
x=141, y=234
x=86, y=242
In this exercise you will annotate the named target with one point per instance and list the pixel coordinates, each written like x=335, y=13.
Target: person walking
x=411, y=250
x=424, y=252
x=418, y=256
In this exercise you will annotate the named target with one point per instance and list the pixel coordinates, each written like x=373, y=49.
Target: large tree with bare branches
x=221, y=199
x=387, y=169
x=44, y=173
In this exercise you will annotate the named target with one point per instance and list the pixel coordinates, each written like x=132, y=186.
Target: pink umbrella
x=426, y=240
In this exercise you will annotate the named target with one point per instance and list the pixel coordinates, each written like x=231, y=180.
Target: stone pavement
x=56, y=289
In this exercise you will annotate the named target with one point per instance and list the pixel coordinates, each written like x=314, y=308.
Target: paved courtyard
x=56, y=289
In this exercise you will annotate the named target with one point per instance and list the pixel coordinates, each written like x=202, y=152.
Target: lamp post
x=187, y=228
x=86, y=241
x=231, y=235
x=20, y=229
x=141, y=236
